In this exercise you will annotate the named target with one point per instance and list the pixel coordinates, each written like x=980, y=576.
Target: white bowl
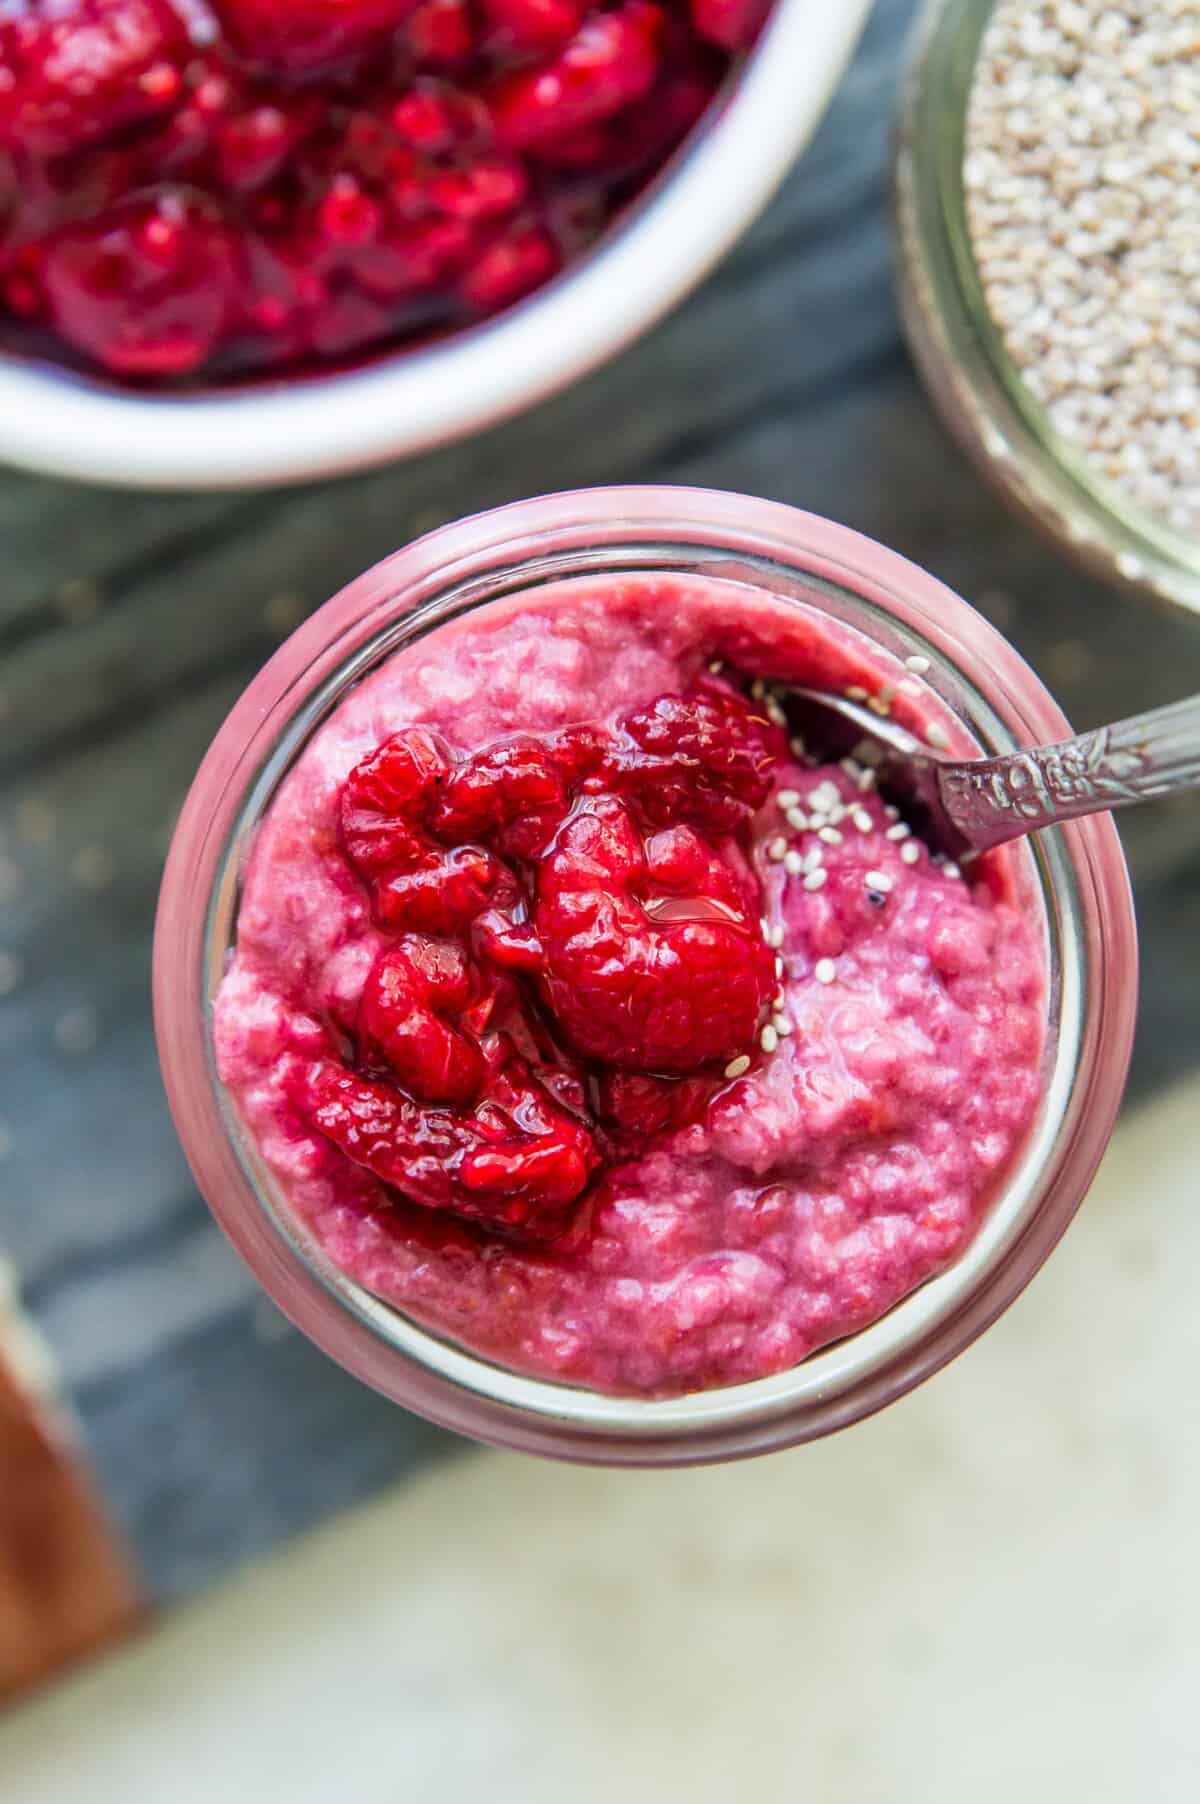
x=62, y=424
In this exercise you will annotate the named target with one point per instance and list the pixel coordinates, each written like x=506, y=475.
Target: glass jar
x=1074, y=877
x=960, y=350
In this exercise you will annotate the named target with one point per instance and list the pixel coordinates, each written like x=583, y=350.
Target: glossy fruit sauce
x=195, y=188
x=584, y=1012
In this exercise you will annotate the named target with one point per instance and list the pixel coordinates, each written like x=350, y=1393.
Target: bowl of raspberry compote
x=586, y=1050
x=258, y=240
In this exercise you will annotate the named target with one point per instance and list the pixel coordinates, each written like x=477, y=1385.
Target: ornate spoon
x=975, y=803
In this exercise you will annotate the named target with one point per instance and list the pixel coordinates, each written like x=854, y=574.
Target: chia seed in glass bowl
x=258, y=186
x=1046, y=232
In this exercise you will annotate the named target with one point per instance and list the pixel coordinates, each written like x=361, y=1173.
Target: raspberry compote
x=585, y=1013
x=190, y=189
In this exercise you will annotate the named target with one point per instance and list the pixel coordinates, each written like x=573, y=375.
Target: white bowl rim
x=61, y=424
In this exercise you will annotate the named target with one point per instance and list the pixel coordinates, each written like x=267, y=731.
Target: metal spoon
x=975, y=803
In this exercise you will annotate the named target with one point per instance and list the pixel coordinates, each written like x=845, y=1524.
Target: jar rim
x=1081, y=871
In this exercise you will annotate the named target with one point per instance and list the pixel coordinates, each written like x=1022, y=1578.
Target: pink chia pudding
x=586, y=1014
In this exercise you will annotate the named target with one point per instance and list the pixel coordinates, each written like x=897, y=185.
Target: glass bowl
x=960, y=351
x=1074, y=877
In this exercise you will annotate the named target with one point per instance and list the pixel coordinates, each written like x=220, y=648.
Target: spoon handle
x=992, y=800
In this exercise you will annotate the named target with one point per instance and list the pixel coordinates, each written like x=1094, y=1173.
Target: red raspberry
x=149, y=287
x=74, y=71
x=445, y=893
x=648, y=966
x=254, y=146
x=510, y=267
x=611, y=61
x=439, y=32
x=512, y=796
x=591, y=148
x=645, y=952
x=535, y=24
x=579, y=752
x=730, y=24
x=434, y=116
x=384, y=798
x=516, y=1163
x=228, y=133
x=703, y=758
x=637, y=1109
x=528, y=1146
x=508, y=946
x=348, y=217
x=297, y=36
x=21, y=282
x=347, y=320
x=385, y=808
x=415, y=258
x=364, y=197
x=409, y=1016
x=213, y=94
x=647, y=133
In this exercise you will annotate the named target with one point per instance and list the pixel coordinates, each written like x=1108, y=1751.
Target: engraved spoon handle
x=991, y=800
